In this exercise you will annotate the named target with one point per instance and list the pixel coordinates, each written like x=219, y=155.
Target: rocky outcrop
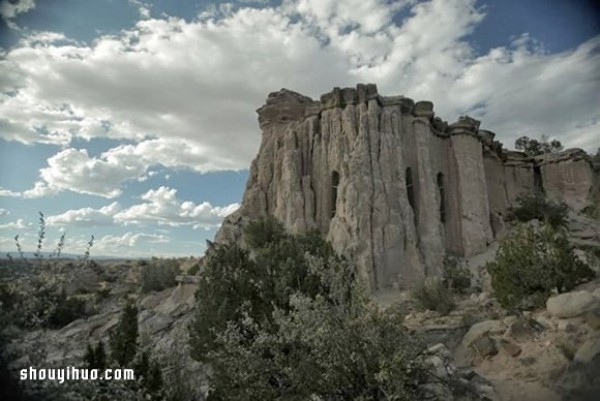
x=392, y=186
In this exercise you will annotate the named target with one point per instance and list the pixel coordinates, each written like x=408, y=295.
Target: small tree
x=123, y=339
x=95, y=357
x=531, y=264
x=539, y=208
x=533, y=147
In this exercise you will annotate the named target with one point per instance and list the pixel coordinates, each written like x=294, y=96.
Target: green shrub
x=159, y=275
x=194, y=269
x=456, y=277
x=66, y=310
x=95, y=357
x=592, y=211
x=287, y=320
x=433, y=295
x=531, y=263
x=123, y=338
x=538, y=207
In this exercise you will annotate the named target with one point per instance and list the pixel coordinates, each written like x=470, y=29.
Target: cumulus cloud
x=183, y=92
x=105, y=175
x=85, y=216
x=142, y=7
x=117, y=244
x=15, y=225
x=162, y=207
x=8, y=192
x=9, y=9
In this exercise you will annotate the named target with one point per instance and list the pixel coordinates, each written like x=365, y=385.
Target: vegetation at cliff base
x=532, y=263
x=537, y=207
x=285, y=318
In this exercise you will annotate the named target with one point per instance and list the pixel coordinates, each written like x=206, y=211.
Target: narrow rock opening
x=335, y=182
x=537, y=180
x=442, y=191
x=410, y=191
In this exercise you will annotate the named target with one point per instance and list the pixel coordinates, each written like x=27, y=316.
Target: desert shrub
x=534, y=147
x=537, y=207
x=102, y=293
x=432, y=294
x=43, y=304
x=66, y=310
x=531, y=263
x=456, y=278
x=194, y=269
x=95, y=357
x=592, y=211
x=159, y=275
x=123, y=338
x=286, y=319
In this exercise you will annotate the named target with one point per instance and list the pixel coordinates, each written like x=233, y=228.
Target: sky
x=134, y=121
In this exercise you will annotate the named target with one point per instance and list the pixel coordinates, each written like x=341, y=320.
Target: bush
x=538, y=207
x=456, y=277
x=592, y=211
x=192, y=271
x=432, y=294
x=66, y=310
x=286, y=319
x=531, y=263
x=123, y=338
x=43, y=304
x=159, y=275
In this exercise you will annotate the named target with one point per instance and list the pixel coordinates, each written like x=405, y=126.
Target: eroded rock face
x=392, y=186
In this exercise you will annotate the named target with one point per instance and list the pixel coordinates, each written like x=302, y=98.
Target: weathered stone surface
x=588, y=351
x=568, y=177
x=481, y=329
x=393, y=188
x=510, y=348
x=423, y=109
x=571, y=304
x=484, y=346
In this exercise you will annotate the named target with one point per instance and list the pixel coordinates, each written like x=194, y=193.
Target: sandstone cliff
x=393, y=187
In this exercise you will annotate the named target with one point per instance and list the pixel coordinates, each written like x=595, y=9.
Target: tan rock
x=481, y=329
x=588, y=351
x=571, y=304
x=510, y=348
x=393, y=187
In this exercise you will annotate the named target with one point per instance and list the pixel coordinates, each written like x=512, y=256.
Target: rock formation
x=392, y=186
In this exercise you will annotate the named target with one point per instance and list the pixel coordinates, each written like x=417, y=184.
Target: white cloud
x=185, y=92
x=127, y=243
x=142, y=7
x=15, y=225
x=162, y=207
x=4, y=212
x=85, y=216
x=9, y=9
x=8, y=192
x=74, y=170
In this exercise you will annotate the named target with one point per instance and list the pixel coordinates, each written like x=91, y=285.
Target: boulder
x=481, y=329
x=572, y=304
x=510, y=348
x=588, y=351
x=484, y=346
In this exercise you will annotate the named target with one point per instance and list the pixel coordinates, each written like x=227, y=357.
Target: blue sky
x=134, y=120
